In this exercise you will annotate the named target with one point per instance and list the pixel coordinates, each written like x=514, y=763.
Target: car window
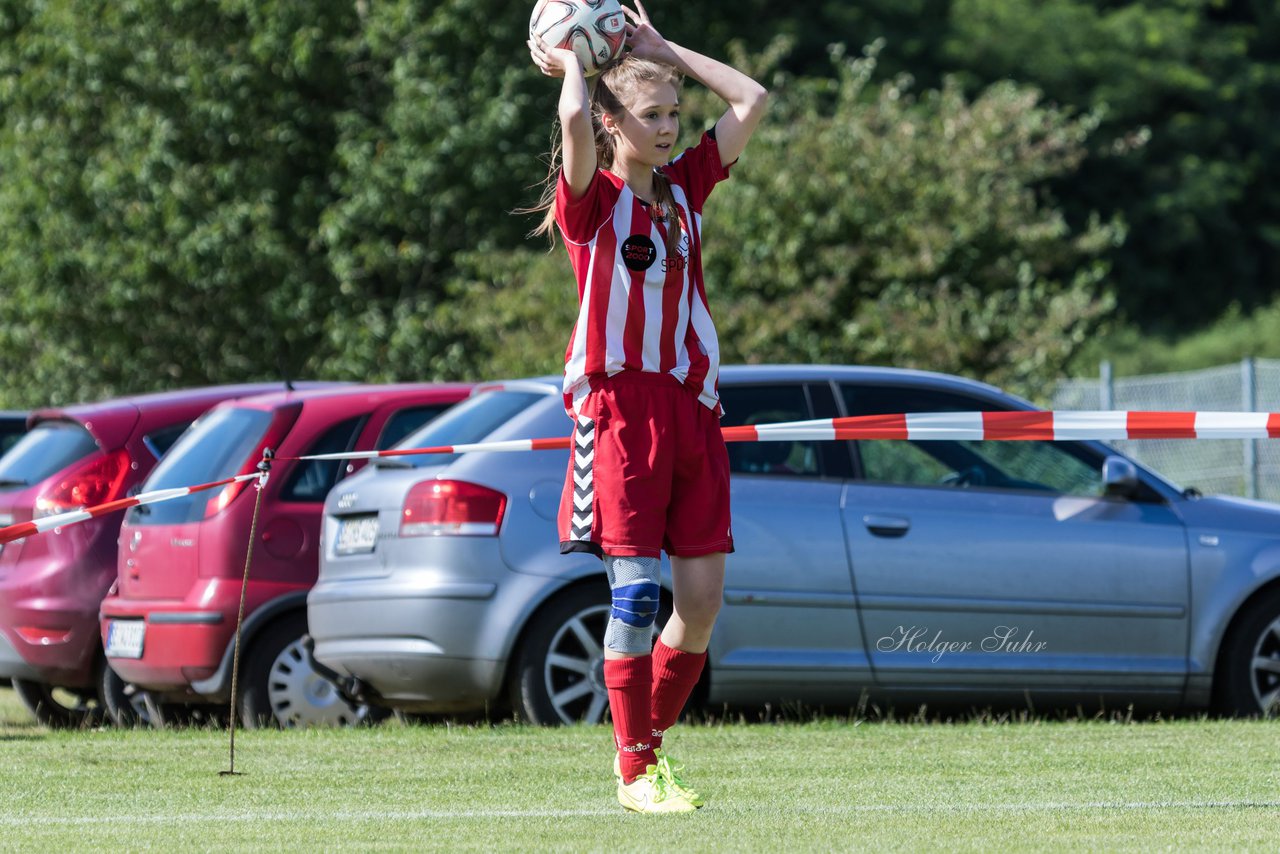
x=833, y=457
x=214, y=448
x=472, y=420
x=768, y=404
x=312, y=479
x=404, y=422
x=50, y=447
x=158, y=442
x=1038, y=465
x=1060, y=468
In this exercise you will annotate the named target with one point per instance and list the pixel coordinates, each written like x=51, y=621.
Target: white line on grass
x=424, y=815
x=1046, y=806
x=292, y=815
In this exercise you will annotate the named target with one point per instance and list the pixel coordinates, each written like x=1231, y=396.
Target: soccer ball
x=593, y=29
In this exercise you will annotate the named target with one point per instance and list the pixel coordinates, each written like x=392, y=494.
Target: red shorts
x=649, y=472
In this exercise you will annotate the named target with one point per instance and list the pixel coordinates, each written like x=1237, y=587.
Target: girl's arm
x=578, y=151
x=746, y=98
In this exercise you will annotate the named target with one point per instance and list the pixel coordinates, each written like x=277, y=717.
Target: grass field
x=821, y=785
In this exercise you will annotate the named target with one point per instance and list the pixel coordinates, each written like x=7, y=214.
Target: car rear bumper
x=413, y=675
x=59, y=642
x=423, y=638
x=418, y=649
x=49, y=599
x=186, y=640
x=174, y=654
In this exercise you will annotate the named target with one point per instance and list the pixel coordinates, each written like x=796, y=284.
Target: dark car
x=168, y=626
x=52, y=585
x=13, y=426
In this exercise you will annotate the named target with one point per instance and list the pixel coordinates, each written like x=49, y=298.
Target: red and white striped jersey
x=640, y=309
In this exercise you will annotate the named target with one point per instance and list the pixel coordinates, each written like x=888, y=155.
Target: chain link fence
x=1248, y=467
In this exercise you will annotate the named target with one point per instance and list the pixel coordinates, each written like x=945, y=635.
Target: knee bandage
x=634, y=583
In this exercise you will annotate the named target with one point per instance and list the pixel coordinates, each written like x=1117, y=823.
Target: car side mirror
x=1119, y=478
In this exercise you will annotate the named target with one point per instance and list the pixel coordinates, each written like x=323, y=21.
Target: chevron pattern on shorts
x=584, y=452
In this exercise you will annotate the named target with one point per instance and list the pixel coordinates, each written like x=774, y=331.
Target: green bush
x=1232, y=337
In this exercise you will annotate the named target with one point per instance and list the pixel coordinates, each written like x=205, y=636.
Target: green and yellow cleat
x=668, y=769
x=651, y=793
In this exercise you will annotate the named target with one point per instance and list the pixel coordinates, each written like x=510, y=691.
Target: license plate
x=124, y=638
x=357, y=535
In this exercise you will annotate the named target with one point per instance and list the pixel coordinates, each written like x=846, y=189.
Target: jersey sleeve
x=580, y=219
x=698, y=169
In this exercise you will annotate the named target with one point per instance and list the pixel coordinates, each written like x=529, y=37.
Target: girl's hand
x=643, y=41
x=551, y=61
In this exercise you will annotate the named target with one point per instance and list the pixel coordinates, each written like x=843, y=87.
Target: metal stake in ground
x=264, y=471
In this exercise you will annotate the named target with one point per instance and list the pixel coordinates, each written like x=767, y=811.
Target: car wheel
x=59, y=708
x=124, y=704
x=558, y=673
x=283, y=688
x=1249, y=667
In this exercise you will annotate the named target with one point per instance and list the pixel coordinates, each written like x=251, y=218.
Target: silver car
x=1055, y=573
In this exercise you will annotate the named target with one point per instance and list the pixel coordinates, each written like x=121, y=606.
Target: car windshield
x=215, y=447
x=50, y=447
x=470, y=421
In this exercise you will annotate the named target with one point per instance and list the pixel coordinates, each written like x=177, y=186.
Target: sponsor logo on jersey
x=638, y=252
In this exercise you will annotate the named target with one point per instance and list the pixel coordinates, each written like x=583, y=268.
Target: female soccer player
x=649, y=470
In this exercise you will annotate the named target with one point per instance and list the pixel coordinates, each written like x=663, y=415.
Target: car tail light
x=452, y=507
x=222, y=500
x=97, y=482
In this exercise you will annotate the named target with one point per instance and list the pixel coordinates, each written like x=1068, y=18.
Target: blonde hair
x=609, y=89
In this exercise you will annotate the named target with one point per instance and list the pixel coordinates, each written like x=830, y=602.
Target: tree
x=165, y=166
x=1200, y=79
x=902, y=229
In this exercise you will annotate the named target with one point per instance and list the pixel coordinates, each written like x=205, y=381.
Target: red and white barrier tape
x=989, y=426
x=61, y=520
x=1024, y=426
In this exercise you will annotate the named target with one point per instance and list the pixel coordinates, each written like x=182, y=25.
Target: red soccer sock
x=675, y=673
x=629, y=681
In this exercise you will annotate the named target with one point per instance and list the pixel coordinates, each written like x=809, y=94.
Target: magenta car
x=52, y=585
x=168, y=626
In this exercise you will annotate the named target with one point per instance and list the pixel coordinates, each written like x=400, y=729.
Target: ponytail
x=666, y=209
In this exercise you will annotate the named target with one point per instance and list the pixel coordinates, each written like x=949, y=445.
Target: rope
x=264, y=470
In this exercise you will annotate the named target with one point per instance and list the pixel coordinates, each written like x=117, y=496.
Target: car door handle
x=886, y=526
